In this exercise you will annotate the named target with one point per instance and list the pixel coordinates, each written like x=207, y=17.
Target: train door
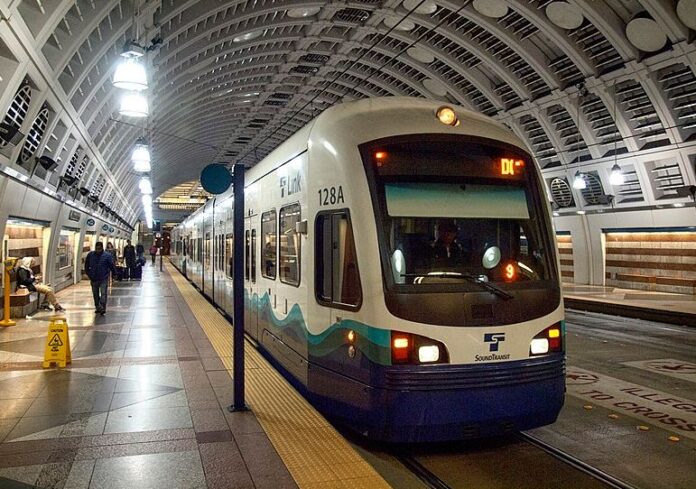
x=208, y=254
x=220, y=282
x=251, y=293
x=268, y=249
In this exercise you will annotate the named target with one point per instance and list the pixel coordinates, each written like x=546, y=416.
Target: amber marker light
x=400, y=343
x=447, y=116
x=380, y=157
x=351, y=336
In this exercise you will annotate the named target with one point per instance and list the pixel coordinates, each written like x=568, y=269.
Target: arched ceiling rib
x=213, y=97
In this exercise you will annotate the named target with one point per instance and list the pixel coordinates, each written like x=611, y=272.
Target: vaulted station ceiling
x=587, y=84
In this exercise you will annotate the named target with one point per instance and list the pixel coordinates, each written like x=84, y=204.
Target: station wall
x=646, y=250
x=56, y=232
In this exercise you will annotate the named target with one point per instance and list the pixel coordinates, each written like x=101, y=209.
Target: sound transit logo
x=494, y=340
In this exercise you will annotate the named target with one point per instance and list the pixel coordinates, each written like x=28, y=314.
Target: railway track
x=434, y=481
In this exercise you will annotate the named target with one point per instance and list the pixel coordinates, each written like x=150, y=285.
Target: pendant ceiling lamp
x=141, y=156
x=133, y=104
x=130, y=75
x=616, y=177
x=145, y=186
x=579, y=182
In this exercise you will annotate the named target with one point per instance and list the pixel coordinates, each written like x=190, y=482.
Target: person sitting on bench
x=25, y=277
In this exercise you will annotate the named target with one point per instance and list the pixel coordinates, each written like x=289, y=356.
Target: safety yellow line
x=316, y=455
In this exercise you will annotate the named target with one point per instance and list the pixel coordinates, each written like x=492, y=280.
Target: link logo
x=494, y=339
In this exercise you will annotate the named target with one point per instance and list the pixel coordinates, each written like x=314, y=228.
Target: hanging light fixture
x=141, y=156
x=130, y=74
x=145, y=186
x=134, y=104
x=579, y=182
x=147, y=201
x=617, y=176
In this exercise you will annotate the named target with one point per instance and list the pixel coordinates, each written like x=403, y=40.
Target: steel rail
x=575, y=462
x=424, y=474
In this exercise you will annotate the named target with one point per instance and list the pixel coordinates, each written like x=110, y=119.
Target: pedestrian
x=140, y=251
x=111, y=250
x=153, y=252
x=26, y=278
x=129, y=256
x=99, y=266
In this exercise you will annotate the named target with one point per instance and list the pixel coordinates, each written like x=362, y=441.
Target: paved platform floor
x=142, y=405
x=683, y=305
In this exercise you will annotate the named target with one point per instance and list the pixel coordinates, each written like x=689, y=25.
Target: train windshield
x=459, y=215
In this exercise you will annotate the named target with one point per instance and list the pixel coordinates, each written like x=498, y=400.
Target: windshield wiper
x=493, y=289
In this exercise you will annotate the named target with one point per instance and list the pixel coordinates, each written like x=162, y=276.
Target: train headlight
x=428, y=354
x=539, y=346
x=447, y=116
x=549, y=340
x=413, y=349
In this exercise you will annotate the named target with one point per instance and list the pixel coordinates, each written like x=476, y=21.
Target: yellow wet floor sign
x=58, y=344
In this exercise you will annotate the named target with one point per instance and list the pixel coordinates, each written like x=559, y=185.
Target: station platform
x=144, y=402
x=663, y=307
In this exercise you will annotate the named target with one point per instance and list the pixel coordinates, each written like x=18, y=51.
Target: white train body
x=380, y=334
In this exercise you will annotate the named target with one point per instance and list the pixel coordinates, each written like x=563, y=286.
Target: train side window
x=229, y=253
x=268, y=242
x=247, y=255
x=253, y=256
x=337, y=274
x=289, y=245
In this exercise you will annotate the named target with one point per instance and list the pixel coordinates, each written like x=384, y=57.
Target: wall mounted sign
x=111, y=230
x=105, y=227
x=90, y=222
x=74, y=216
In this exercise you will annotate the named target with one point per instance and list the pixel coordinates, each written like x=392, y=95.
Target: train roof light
x=447, y=116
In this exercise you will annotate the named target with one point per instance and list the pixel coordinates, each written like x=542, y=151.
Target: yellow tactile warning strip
x=316, y=455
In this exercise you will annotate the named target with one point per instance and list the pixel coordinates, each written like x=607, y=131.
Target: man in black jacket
x=129, y=256
x=99, y=266
x=25, y=277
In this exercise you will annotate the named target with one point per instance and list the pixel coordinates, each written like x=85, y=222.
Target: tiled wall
x=565, y=250
x=661, y=261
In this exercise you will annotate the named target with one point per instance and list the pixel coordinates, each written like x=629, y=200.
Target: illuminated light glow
x=351, y=336
x=133, y=104
x=554, y=333
x=429, y=353
x=510, y=272
x=147, y=201
x=447, y=116
x=145, y=186
x=141, y=158
x=582, y=213
x=617, y=176
x=579, y=182
x=678, y=204
x=400, y=343
x=130, y=75
x=539, y=346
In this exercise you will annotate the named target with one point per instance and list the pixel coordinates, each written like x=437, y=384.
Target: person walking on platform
x=25, y=277
x=153, y=252
x=99, y=267
x=129, y=257
x=140, y=251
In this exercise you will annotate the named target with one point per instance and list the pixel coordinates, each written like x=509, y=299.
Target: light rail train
x=400, y=268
